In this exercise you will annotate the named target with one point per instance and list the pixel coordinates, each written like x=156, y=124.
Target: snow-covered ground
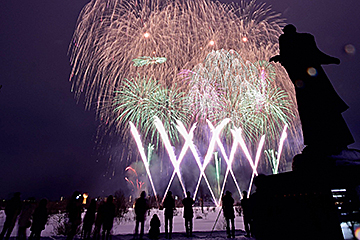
x=202, y=225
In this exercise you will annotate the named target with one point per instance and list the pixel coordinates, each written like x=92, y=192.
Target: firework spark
x=143, y=156
x=137, y=186
x=225, y=85
x=183, y=32
x=128, y=59
x=110, y=35
x=143, y=61
x=140, y=99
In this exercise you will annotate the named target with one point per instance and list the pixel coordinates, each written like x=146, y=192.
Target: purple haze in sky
x=47, y=139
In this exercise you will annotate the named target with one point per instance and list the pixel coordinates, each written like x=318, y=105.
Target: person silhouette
x=245, y=206
x=141, y=206
x=169, y=206
x=74, y=210
x=108, y=217
x=319, y=106
x=99, y=219
x=188, y=215
x=24, y=218
x=89, y=219
x=155, y=224
x=12, y=210
x=40, y=217
x=229, y=214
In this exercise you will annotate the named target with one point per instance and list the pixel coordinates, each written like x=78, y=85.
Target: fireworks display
x=140, y=99
x=191, y=62
x=142, y=61
x=225, y=86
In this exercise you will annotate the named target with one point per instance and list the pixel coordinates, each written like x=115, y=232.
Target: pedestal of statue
x=300, y=204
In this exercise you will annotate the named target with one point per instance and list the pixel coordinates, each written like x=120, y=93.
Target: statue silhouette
x=319, y=106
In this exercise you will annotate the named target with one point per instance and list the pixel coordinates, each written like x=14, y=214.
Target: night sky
x=47, y=138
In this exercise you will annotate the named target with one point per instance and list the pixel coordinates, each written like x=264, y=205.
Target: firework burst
x=226, y=86
x=140, y=99
x=128, y=59
x=143, y=61
x=110, y=34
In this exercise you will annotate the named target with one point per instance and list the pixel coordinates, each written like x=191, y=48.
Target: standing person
x=12, y=210
x=108, y=218
x=89, y=219
x=229, y=214
x=40, y=218
x=99, y=221
x=74, y=209
x=155, y=224
x=141, y=206
x=188, y=202
x=245, y=206
x=319, y=106
x=24, y=218
x=169, y=205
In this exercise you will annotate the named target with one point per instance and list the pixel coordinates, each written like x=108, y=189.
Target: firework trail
x=142, y=61
x=244, y=92
x=137, y=186
x=111, y=34
x=184, y=60
x=140, y=99
x=226, y=86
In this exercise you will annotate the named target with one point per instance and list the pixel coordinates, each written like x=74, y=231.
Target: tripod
x=217, y=218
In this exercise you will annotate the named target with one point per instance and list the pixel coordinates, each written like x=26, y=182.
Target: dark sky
x=47, y=138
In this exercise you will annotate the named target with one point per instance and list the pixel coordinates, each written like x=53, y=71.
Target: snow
x=124, y=229
x=202, y=225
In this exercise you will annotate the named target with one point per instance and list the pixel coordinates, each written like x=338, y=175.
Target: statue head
x=289, y=29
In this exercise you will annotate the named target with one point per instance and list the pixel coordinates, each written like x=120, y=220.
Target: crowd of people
x=227, y=201
x=23, y=212
x=28, y=215
x=141, y=208
x=102, y=219
x=97, y=222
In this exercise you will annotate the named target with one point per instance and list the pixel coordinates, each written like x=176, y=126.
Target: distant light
x=244, y=39
x=85, y=196
x=146, y=35
x=338, y=190
x=212, y=43
x=312, y=71
x=350, y=49
x=338, y=195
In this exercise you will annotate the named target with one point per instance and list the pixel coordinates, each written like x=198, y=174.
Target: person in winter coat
x=24, y=218
x=141, y=206
x=155, y=224
x=12, y=210
x=40, y=217
x=169, y=205
x=245, y=206
x=74, y=210
x=228, y=210
x=188, y=202
x=108, y=217
x=99, y=221
x=89, y=219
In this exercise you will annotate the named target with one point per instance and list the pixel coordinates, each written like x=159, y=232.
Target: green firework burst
x=140, y=99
